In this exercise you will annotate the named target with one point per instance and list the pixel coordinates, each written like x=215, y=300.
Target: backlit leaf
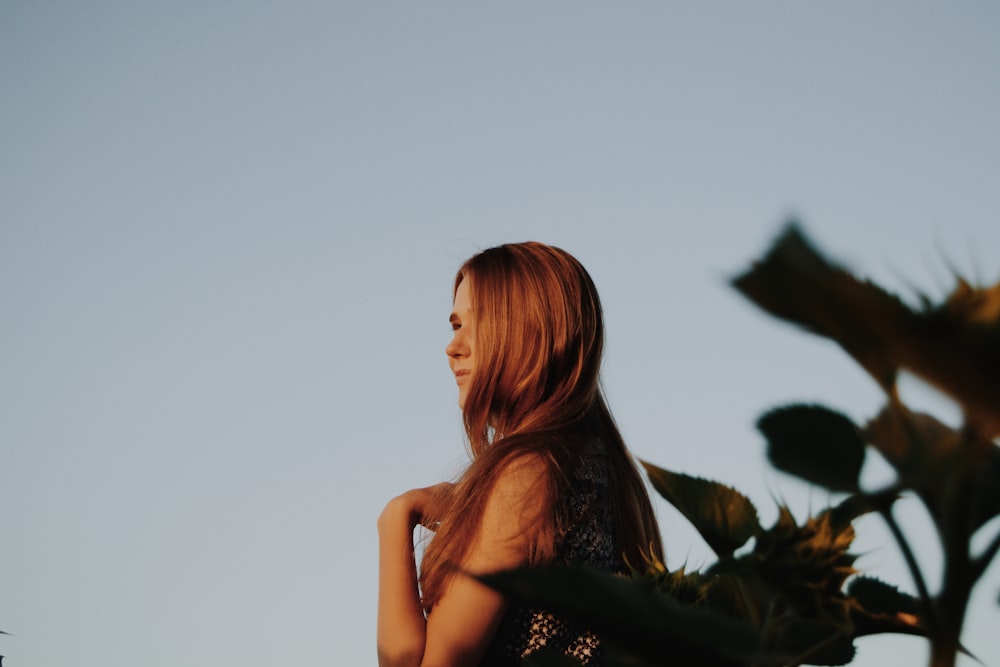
x=819, y=445
x=878, y=597
x=955, y=346
x=934, y=460
x=796, y=283
x=723, y=516
x=636, y=616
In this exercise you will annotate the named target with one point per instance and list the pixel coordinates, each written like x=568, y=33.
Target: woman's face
x=460, y=349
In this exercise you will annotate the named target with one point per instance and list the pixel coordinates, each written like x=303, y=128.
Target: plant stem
x=980, y=564
x=926, y=604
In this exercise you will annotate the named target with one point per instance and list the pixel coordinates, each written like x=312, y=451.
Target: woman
x=550, y=479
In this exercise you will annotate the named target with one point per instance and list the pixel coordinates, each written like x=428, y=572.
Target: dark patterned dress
x=587, y=541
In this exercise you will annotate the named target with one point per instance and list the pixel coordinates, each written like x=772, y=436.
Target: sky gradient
x=228, y=233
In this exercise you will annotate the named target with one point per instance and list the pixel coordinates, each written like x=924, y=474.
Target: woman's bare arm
x=401, y=625
x=462, y=623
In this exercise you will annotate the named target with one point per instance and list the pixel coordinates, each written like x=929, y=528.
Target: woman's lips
x=461, y=376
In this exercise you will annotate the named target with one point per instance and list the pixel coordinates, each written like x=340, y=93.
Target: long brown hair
x=539, y=341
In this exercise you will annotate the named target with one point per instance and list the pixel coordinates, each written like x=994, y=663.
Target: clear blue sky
x=228, y=232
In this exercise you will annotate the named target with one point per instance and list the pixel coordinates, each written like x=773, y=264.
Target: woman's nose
x=456, y=346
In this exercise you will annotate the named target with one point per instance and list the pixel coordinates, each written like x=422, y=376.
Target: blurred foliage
x=792, y=595
x=781, y=602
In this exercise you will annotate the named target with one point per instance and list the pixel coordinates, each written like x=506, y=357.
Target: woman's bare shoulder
x=521, y=475
x=519, y=497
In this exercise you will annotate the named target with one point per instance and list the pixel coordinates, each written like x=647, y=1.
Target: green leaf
x=807, y=564
x=687, y=588
x=957, y=349
x=738, y=590
x=620, y=656
x=879, y=608
x=986, y=482
x=856, y=505
x=914, y=443
x=817, y=643
x=819, y=445
x=878, y=597
x=954, y=346
x=549, y=658
x=936, y=460
x=635, y=616
x=796, y=283
x=723, y=516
